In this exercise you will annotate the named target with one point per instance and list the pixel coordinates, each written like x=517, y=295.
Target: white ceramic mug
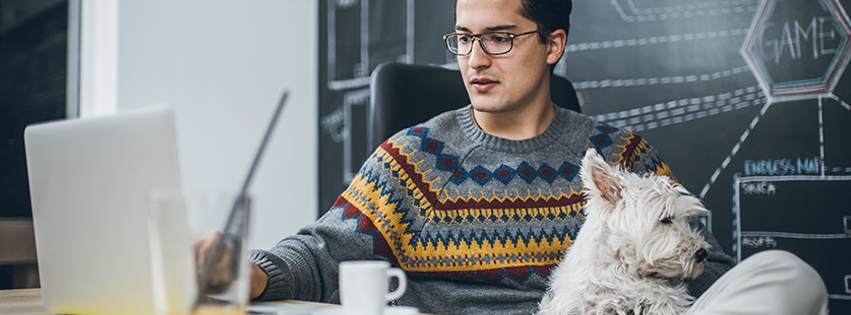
x=364, y=286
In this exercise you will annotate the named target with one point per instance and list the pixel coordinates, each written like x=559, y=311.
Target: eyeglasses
x=493, y=43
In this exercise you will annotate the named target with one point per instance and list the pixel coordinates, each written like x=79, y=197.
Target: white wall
x=223, y=64
x=98, y=59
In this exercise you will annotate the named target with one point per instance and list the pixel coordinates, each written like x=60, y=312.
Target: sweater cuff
x=275, y=287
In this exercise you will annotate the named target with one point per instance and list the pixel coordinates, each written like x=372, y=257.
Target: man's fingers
x=203, y=250
x=222, y=272
x=222, y=268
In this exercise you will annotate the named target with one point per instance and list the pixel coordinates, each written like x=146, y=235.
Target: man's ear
x=599, y=178
x=557, y=40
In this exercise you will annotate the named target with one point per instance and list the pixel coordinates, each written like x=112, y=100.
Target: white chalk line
x=735, y=150
x=683, y=110
x=713, y=8
x=649, y=81
x=609, y=44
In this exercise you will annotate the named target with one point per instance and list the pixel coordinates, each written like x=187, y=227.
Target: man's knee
x=783, y=263
x=789, y=272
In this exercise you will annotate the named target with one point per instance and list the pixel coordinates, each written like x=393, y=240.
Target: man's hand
x=259, y=280
x=222, y=273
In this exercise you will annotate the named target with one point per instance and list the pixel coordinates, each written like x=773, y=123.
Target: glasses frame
x=481, y=44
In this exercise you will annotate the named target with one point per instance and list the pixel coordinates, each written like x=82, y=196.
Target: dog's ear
x=600, y=178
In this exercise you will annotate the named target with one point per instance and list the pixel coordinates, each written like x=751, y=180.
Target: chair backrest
x=403, y=95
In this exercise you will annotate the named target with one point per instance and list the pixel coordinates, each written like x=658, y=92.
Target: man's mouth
x=483, y=84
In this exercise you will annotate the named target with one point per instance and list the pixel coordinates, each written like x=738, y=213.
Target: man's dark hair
x=550, y=15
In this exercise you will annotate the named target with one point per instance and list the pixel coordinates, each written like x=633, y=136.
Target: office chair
x=403, y=95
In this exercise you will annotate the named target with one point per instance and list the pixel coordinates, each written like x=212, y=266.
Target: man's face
x=502, y=83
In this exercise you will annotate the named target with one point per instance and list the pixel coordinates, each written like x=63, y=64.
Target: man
x=477, y=204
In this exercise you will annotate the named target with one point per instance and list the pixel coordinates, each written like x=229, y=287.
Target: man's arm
x=717, y=263
x=304, y=266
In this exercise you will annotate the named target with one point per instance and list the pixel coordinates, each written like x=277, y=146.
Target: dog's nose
x=701, y=254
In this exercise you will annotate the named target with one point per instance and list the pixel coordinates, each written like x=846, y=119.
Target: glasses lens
x=459, y=44
x=497, y=43
x=494, y=43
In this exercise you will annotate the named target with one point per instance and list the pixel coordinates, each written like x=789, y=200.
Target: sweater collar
x=479, y=137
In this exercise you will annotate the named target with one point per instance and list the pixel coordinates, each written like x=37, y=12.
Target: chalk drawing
x=609, y=44
x=682, y=11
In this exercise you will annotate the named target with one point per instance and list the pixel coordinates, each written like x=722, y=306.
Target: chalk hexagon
x=796, y=48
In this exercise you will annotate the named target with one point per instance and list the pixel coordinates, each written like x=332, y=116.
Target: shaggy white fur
x=635, y=249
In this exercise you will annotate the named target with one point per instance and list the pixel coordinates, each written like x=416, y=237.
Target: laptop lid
x=89, y=183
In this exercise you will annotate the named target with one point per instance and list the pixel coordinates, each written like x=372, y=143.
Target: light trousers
x=770, y=282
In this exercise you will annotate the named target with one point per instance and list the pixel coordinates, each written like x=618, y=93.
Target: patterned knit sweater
x=475, y=220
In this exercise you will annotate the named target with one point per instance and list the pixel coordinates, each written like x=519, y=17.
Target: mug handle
x=403, y=283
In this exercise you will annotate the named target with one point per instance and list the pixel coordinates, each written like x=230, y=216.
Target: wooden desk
x=21, y=302
x=28, y=302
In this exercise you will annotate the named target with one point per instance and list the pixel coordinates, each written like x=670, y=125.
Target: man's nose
x=478, y=57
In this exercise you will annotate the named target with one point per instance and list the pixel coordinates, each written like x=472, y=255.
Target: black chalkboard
x=729, y=92
x=355, y=37
x=819, y=235
x=33, y=68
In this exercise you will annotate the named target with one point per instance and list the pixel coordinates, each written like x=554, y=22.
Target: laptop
x=89, y=183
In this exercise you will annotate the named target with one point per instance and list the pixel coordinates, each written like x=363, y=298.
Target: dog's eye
x=693, y=224
x=667, y=220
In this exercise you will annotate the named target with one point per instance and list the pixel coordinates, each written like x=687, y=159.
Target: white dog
x=635, y=249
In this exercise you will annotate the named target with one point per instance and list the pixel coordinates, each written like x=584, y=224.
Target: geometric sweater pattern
x=471, y=222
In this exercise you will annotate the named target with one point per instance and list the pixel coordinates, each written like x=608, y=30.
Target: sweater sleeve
x=644, y=159
x=717, y=263
x=304, y=266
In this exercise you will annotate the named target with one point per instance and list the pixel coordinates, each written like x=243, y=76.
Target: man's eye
x=464, y=39
x=500, y=39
